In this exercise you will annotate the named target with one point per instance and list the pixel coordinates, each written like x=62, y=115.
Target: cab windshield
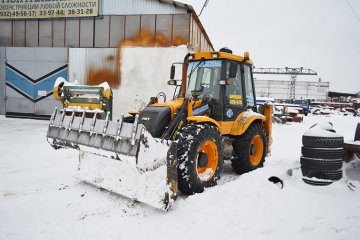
x=203, y=77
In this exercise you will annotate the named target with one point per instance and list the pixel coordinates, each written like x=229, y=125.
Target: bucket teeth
x=74, y=131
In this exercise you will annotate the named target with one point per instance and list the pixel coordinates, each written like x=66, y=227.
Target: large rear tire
x=249, y=150
x=200, y=158
x=333, y=175
x=322, y=141
x=322, y=153
x=321, y=164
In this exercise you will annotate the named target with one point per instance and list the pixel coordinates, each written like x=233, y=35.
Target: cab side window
x=233, y=102
x=234, y=90
x=249, y=88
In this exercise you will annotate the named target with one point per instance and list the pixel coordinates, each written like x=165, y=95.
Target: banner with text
x=11, y=9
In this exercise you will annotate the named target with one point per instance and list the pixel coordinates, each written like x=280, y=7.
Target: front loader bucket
x=119, y=156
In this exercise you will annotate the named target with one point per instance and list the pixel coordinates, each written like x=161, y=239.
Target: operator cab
x=222, y=80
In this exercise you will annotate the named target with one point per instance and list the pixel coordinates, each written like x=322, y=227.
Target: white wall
x=83, y=59
x=145, y=72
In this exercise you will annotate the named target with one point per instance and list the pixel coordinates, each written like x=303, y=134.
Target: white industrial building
x=280, y=89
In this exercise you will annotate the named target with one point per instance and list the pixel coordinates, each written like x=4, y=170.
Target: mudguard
x=244, y=120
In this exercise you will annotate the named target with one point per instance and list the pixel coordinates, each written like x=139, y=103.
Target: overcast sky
x=323, y=35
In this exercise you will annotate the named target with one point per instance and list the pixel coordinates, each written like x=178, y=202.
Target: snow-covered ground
x=40, y=199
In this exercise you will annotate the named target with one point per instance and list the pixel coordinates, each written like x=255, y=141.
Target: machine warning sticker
x=235, y=99
x=200, y=110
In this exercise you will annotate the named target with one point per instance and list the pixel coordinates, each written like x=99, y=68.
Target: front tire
x=200, y=158
x=249, y=150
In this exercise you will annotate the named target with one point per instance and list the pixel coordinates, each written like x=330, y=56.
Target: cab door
x=233, y=97
x=250, y=100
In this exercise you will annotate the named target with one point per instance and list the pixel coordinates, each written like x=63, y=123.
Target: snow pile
x=119, y=177
x=40, y=198
x=104, y=85
x=319, y=132
x=61, y=80
x=324, y=125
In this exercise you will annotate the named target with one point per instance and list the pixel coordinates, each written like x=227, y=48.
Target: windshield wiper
x=197, y=65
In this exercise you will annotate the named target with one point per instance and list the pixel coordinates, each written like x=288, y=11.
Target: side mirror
x=171, y=82
x=172, y=72
x=233, y=69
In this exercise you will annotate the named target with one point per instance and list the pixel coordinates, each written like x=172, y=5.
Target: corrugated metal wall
x=281, y=89
x=118, y=20
x=2, y=81
x=168, y=23
x=107, y=31
x=198, y=41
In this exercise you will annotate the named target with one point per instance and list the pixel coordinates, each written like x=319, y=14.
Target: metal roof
x=137, y=7
x=142, y=7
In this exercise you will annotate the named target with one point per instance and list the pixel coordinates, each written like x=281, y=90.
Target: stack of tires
x=322, y=155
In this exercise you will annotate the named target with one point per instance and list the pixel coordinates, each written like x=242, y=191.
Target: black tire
x=316, y=182
x=321, y=164
x=323, y=153
x=321, y=174
x=191, y=139
x=322, y=142
x=242, y=145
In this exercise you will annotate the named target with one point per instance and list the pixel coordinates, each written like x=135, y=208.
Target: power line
x=353, y=10
x=205, y=4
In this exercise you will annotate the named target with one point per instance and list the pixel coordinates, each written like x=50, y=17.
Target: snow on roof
x=293, y=110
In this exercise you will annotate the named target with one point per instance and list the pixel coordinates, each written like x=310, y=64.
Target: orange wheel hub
x=256, y=150
x=208, y=170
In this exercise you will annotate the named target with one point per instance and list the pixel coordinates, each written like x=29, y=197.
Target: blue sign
x=208, y=64
x=29, y=87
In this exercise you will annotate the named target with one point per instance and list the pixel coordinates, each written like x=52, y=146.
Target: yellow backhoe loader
x=177, y=145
